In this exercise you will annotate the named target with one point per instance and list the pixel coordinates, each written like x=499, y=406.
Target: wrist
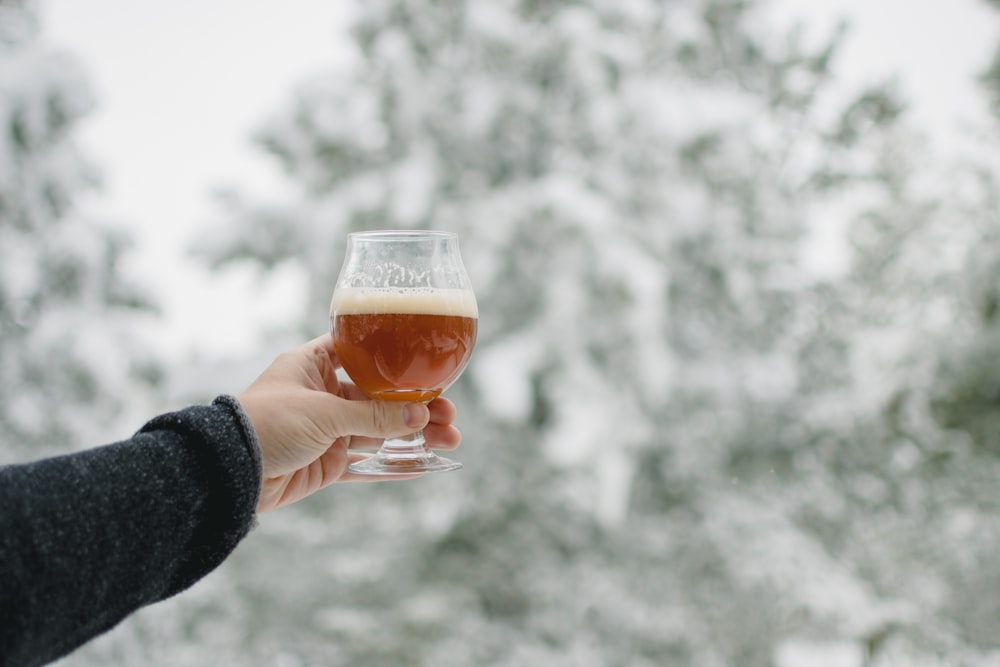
x=246, y=427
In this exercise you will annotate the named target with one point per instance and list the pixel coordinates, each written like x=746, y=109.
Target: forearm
x=88, y=538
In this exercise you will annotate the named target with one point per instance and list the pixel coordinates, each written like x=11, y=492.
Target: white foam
x=412, y=301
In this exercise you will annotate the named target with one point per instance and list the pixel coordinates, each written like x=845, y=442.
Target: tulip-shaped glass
x=404, y=322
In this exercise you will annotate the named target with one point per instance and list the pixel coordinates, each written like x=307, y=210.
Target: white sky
x=938, y=47
x=181, y=85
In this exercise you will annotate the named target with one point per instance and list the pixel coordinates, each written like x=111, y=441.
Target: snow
x=503, y=374
x=187, y=79
x=151, y=62
x=805, y=653
x=799, y=570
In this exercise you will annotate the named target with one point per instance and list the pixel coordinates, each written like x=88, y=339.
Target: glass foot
x=403, y=464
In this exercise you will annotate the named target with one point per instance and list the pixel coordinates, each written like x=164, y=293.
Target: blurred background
x=736, y=398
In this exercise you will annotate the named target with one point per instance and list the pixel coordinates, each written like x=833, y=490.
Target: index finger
x=443, y=411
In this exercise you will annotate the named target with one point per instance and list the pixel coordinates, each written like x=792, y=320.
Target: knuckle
x=381, y=417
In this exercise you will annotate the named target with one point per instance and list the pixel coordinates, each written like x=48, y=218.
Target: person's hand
x=309, y=423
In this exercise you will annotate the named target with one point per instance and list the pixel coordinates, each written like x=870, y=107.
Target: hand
x=308, y=423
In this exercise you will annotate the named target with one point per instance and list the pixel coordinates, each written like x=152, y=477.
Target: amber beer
x=403, y=344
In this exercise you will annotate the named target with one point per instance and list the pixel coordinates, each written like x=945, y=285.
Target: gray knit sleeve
x=88, y=538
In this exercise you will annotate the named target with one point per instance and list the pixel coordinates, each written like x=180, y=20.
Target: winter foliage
x=717, y=452
x=734, y=400
x=68, y=361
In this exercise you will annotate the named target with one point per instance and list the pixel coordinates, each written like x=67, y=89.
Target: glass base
x=403, y=464
x=407, y=455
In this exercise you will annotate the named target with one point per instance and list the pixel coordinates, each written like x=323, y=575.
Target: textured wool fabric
x=88, y=538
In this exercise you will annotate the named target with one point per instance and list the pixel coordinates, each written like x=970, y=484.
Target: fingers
x=442, y=436
x=324, y=357
x=369, y=422
x=442, y=411
x=351, y=391
x=375, y=419
x=438, y=431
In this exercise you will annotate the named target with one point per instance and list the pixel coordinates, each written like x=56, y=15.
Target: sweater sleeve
x=88, y=538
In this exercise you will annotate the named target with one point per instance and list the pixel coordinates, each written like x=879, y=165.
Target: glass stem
x=405, y=447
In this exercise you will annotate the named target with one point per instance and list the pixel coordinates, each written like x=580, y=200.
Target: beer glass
x=404, y=321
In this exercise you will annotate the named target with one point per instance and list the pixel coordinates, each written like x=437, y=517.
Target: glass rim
x=403, y=235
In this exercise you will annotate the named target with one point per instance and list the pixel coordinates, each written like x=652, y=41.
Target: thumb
x=377, y=419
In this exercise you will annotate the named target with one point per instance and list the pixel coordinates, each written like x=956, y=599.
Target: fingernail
x=415, y=415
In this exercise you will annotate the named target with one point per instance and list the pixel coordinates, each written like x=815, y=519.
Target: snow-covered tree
x=685, y=444
x=67, y=361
